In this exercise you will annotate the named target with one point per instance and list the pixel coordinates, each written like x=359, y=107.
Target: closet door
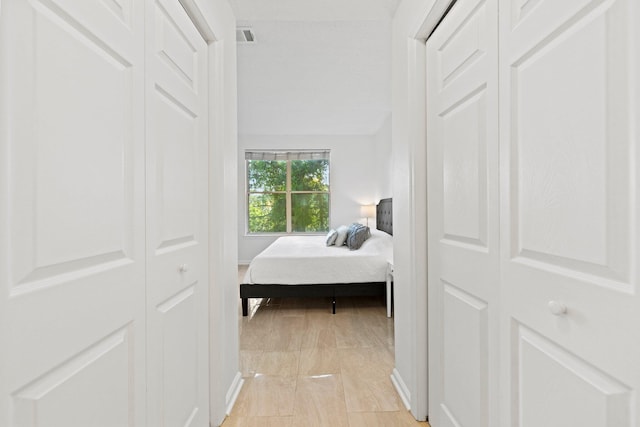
x=72, y=263
x=462, y=163
x=570, y=222
x=176, y=218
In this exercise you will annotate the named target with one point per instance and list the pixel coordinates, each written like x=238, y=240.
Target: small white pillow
x=342, y=235
x=331, y=237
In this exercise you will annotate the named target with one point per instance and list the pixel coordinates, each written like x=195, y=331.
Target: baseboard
x=244, y=262
x=401, y=388
x=233, y=392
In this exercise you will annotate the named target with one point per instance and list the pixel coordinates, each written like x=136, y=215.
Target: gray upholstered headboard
x=384, y=216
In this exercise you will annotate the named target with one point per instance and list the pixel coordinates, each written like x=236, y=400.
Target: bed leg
x=333, y=304
x=245, y=307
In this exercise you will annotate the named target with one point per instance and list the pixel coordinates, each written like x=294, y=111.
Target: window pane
x=310, y=175
x=267, y=175
x=310, y=212
x=267, y=213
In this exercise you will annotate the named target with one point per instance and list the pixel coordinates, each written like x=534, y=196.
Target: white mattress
x=303, y=260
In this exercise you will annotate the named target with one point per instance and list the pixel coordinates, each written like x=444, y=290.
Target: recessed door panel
x=121, y=9
x=176, y=134
x=180, y=357
x=462, y=188
x=522, y=8
x=63, y=224
x=466, y=348
x=569, y=132
x=570, y=148
x=177, y=206
x=73, y=202
x=465, y=170
x=100, y=374
x=558, y=389
x=464, y=46
x=175, y=48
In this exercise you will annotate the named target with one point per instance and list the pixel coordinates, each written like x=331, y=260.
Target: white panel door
x=72, y=263
x=462, y=168
x=570, y=227
x=177, y=280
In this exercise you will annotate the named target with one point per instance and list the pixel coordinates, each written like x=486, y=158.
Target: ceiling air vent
x=245, y=35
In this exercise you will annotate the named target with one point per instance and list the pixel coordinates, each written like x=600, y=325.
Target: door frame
x=218, y=273
x=416, y=82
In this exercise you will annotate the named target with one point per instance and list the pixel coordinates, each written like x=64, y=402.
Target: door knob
x=183, y=268
x=557, y=308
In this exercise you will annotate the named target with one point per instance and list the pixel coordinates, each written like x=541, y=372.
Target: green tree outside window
x=286, y=196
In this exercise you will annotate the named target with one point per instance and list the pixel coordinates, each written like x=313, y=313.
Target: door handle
x=557, y=308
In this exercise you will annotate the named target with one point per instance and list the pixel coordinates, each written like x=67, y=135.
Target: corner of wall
x=223, y=302
x=409, y=192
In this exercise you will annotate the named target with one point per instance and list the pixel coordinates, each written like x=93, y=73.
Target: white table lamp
x=367, y=211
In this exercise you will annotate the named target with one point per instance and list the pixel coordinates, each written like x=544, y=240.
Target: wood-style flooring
x=303, y=366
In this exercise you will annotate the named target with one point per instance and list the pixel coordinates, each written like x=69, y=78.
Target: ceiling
x=317, y=68
x=313, y=10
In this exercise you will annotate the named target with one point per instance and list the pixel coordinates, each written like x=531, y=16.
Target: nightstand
x=389, y=287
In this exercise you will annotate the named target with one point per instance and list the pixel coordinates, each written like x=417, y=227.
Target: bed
x=303, y=266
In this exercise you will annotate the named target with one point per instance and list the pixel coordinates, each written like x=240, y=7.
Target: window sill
x=319, y=233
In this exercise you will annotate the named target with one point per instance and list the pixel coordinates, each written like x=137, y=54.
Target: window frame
x=288, y=192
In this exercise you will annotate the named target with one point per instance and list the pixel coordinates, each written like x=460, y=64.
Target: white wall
x=224, y=344
x=315, y=77
x=409, y=207
x=382, y=142
x=359, y=175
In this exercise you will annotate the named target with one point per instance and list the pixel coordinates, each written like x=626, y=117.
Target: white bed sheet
x=304, y=260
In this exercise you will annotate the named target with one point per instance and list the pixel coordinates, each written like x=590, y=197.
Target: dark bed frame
x=384, y=222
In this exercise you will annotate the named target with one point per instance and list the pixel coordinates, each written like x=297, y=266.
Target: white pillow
x=331, y=237
x=342, y=235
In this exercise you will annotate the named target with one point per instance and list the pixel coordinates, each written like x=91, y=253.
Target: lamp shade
x=367, y=211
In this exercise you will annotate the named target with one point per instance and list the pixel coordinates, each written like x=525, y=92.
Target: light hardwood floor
x=303, y=366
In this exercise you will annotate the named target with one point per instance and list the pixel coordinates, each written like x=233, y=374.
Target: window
x=287, y=191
